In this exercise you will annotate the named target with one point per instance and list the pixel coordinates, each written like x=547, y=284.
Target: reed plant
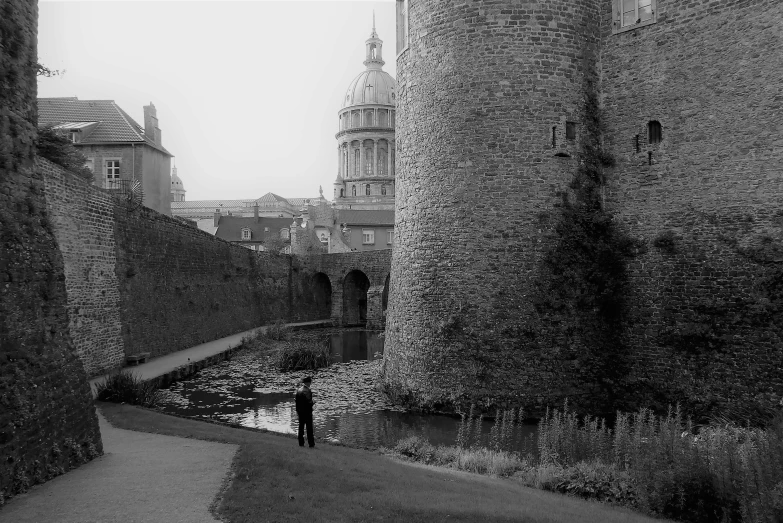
x=303, y=354
x=126, y=387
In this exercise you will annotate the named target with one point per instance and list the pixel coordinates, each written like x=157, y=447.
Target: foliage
x=58, y=149
x=42, y=70
x=126, y=387
x=477, y=459
x=585, y=267
x=303, y=354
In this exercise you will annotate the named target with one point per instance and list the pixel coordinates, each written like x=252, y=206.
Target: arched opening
x=322, y=295
x=367, y=190
x=353, y=190
x=357, y=117
x=385, y=296
x=342, y=191
x=355, y=288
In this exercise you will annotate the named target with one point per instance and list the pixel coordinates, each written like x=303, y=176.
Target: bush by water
x=126, y=387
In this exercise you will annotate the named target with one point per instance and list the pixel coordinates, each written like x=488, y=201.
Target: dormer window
x=245, y=233
x=285, y=233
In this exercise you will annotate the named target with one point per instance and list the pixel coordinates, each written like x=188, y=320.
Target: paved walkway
x=163, y=364
x=141, y=478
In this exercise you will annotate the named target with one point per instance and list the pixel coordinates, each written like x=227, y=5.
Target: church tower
x=365, y=140
x=177, y=188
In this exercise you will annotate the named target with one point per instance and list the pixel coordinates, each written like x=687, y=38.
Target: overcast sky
x=247, y=92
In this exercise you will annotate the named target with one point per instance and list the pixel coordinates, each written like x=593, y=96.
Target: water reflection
x=348, y=409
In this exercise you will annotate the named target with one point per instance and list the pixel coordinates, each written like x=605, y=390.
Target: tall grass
x=126, y=387
x=662, y=465
x=303, y=354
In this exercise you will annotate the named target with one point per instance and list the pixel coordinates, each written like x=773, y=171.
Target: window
x=383, y=190
x=266, y=229
x=402, y=25
x=90, y=164
x=111, y=169
x=285, y=233
x=570, y=130
x=389, y=237
x=368, y=236
x=342, y=193
x=633, y=13
x=654, y=132
x=368, y=155
x=323, y=238
x=246, y=234
x=367, y=189
x=353, y=190
x=356, y=163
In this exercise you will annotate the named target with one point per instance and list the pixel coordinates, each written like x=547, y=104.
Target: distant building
x=118, y=149
x=269, y=205
x=366, y=229
x=258, y=233
x=177, y=187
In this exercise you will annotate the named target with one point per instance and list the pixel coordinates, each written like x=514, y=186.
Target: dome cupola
x=373, y=85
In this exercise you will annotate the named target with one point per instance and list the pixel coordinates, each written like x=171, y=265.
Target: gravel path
x=141, y=478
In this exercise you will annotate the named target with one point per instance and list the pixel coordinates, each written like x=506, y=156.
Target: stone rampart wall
x=82, y=220
x=481, y=89
x=707, y=308
x=48, y=423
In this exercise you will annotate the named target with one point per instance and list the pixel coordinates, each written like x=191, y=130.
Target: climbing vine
x=585, y=269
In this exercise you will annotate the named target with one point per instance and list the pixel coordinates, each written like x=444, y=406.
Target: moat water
x=348, y=410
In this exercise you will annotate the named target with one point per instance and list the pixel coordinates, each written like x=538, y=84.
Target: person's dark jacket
x=304, y=400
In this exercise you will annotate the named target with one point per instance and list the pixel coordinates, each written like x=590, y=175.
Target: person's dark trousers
x=306, y=420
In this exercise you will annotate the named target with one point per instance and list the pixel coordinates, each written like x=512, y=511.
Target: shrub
x=278, y=331
x=58, y=149
x=477, y=459
x=126, y=387
x=595, y=480
x=300, y=354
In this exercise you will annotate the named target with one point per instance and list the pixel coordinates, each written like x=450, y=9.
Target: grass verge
x=275, y=480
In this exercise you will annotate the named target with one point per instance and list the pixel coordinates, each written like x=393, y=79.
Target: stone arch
x=355, y=287
x=322, y=295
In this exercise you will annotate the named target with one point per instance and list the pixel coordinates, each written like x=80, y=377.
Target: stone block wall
x=180, y=286
x=707, y=315
x=82, y=218
x=484, y=91
x=48, y=423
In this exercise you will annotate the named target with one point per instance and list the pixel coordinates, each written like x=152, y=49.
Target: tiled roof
x=365, y=217
x=114, y=124
x=272, y=197
x=230, y=227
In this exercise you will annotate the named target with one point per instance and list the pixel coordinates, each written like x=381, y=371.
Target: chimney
x=217, y=217
x=151, y=129
x=255, y=211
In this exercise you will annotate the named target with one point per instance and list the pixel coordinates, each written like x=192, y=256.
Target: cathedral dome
x=373, y=86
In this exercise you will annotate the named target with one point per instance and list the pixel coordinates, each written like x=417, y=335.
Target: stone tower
x=365, y=140
x=485, y=93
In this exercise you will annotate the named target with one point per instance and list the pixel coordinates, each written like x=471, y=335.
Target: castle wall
x=480, y=89
x=707, y=313
x=82, y=220
x=48, y=423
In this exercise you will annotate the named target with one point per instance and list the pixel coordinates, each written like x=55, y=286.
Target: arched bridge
x=352, y=287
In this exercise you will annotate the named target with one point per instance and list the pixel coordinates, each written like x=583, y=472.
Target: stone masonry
x=496, y=84
x=48, y=423
x=82, y=219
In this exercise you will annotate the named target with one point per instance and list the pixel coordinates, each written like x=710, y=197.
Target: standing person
x=304, y=409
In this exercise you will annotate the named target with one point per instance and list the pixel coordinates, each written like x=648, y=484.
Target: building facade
x=119, y=151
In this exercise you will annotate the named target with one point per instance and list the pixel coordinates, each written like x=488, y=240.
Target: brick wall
x=82, y=221
x=47, y=418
